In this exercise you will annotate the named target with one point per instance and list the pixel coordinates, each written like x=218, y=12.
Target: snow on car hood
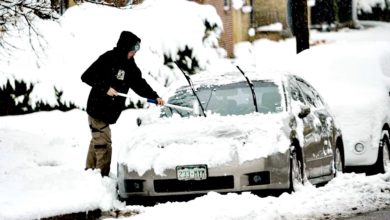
x=214, y=141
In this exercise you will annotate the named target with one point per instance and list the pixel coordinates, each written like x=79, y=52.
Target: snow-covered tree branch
x=14, y=14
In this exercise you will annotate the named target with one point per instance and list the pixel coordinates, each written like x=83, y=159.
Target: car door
x=312, y=145
x=322, y=120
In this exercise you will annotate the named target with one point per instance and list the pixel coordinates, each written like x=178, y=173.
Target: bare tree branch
x=15, y=15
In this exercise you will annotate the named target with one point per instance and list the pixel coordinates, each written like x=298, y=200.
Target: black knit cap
x=128, y=41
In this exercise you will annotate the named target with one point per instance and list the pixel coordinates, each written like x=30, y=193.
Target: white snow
x=41, y=167
x=42, y=155
x=276, y=27
x=84, y=32
x=349, y=69
x=41, y=175
x=347, y=193
x=237, y=4
x=204, y=141
x=356, y=90
x=367, y=5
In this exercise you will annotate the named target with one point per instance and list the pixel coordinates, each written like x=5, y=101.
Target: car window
x=268, y=97
x=295, y=92
x=310, y=94
x=230, y=99
x=182, y=97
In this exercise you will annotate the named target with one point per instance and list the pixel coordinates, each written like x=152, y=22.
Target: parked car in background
x=231, y=146
x=354, y=79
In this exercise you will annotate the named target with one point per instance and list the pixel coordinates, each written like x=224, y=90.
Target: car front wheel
x=296, y=172
x=338, y=162
x=385, y=156
x=383, y=163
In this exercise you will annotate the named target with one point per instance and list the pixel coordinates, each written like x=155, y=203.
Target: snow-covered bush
x=171, y=30
x=15, y=99
x=366, y=6
x=373, y=9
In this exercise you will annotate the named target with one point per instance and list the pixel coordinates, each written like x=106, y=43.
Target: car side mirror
x=305, y=111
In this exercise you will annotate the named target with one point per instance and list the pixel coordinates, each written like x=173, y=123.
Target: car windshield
x=229, y=99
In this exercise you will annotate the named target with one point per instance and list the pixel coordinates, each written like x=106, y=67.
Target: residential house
x=245, y=23
x=236, y=23
x=268, y=13
x=328, y=13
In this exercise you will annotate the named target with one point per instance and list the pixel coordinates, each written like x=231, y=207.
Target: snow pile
x=54, y=191
x=84, y=32
x=367, y=5
x=356, y=88
x=347, y=194
x=201, y=140
x=42, y=167
x=253, y=56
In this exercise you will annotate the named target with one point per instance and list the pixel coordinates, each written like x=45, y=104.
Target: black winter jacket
x=113, y=69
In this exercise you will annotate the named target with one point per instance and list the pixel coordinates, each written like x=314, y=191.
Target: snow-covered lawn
x=42, y=174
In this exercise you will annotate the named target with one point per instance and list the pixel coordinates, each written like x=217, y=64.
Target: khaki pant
x=99, y=153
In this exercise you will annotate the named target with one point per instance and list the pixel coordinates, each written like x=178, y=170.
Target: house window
x=226, y=5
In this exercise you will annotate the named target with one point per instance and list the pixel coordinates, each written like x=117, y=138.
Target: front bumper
x=260, y=174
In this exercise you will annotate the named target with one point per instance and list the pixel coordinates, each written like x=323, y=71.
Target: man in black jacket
x=113, y=72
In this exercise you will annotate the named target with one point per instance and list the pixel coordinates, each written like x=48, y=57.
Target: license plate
x=191, y=172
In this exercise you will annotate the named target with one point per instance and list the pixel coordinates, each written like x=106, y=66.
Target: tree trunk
x=300, y=24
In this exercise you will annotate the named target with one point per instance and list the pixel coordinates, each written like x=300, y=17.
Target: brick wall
x=235, y=24
x=226, y=40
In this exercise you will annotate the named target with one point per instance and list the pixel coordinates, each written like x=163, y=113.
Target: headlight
x=359, y=147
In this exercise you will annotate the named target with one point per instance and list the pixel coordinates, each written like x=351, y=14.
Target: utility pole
x=299, y=24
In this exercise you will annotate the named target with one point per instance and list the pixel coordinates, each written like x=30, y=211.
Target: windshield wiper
x=192, y=88
x=251, y=86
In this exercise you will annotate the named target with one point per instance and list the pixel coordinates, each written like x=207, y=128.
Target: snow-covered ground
x=42, y=174
x=42, y=155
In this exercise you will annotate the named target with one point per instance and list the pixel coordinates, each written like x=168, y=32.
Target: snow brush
x=153, y=101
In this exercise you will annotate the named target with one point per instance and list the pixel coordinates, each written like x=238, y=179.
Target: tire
x=386, y=157
x=382, y=164
x=383, y=156
x=338, y=161
x=296, y=172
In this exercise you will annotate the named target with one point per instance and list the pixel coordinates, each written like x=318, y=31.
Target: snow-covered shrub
x=373, y=9
x=171, y=30
x=15, y=99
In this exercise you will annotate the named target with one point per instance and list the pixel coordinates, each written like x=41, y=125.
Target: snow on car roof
x=223, y=78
